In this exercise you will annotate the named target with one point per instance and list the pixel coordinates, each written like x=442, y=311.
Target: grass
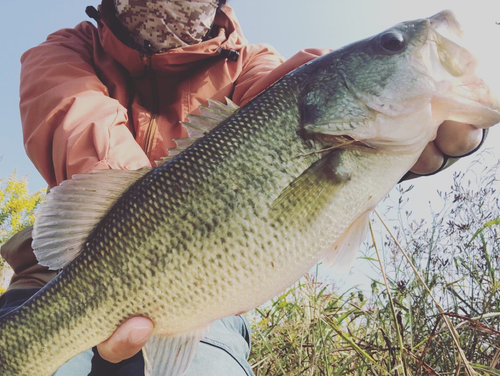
x=441, y=318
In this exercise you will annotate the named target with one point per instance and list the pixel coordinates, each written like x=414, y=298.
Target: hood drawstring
x=93, y=13
x=229, y=54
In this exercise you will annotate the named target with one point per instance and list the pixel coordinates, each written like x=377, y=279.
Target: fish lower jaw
x=407, y=134
x=466, y=110
x=329, y=142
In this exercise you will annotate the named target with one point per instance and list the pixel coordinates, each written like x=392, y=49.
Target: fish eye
x=392, y=41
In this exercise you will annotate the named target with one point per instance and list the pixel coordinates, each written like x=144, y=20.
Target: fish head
x=393, y=90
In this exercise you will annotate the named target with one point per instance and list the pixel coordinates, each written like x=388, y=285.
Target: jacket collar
x=229, y=36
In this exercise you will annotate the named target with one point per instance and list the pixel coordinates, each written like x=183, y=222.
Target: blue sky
x=288, y=25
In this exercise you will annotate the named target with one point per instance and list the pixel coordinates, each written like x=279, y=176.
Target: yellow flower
x=17, y=206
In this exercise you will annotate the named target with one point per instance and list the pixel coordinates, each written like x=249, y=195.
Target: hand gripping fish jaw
x=393, y=90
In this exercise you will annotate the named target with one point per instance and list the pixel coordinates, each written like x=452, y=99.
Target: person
x=113, y=96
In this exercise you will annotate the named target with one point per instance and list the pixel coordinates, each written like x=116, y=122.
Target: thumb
x=127, y=340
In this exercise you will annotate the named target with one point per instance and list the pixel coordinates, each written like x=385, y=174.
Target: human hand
x=127, y=340
x=453, y=139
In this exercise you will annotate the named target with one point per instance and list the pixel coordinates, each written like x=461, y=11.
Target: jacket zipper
x=153, y=121
x=150, y=133
x=146, y=62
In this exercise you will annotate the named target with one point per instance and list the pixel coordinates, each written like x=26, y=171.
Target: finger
x=457, y=139
x=127, y=340
x=429, y=161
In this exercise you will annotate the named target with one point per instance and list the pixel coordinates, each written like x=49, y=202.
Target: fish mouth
x=462, y=96
x=446, y=20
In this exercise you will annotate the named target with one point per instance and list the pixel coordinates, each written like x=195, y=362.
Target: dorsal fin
x=198, y=126
x=72, y=209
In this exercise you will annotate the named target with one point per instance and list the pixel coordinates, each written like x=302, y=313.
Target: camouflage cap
x=166, y=24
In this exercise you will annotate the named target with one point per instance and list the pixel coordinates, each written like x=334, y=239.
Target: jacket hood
x=111, y=34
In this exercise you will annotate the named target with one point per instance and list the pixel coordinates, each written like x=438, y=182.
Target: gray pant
x=223, y=352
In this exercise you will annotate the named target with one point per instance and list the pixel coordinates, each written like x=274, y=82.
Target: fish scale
x=212, y=163
x=236, y=217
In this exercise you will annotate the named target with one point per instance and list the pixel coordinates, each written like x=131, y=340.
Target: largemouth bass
x=245, y=210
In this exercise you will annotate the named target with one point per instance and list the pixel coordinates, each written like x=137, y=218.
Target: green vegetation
x=399, y=329
x=17, y=210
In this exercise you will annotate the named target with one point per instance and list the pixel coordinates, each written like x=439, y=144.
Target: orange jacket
x=90, y=102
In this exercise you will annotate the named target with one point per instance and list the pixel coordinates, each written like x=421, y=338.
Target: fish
x=247, y=204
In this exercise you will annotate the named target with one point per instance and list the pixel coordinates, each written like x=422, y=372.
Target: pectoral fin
x=306, y=195
x=171, y=356
x=343, y=253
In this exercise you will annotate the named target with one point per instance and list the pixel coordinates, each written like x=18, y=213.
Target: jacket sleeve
x=265, y=68
x=70, y=124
